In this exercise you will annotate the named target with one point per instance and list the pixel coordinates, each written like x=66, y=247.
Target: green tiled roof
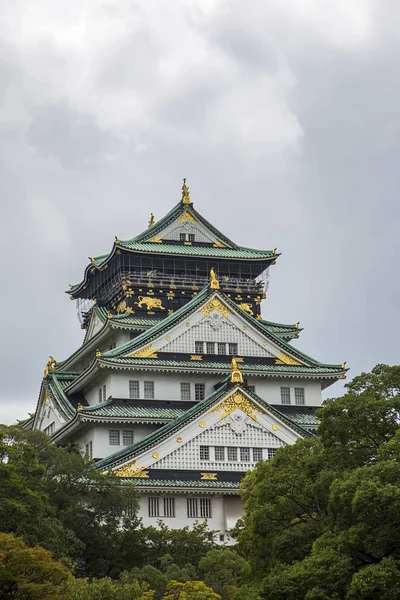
x=302, y=415
x=183, y=484
x=134, y=410
x=126, y=318
x=206, y=251
x=164, y=432
x=54, y=384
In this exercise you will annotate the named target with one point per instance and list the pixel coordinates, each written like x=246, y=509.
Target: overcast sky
x=282, y=114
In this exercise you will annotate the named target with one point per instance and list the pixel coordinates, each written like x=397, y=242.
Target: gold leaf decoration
x=126, y=470
x=121, y=308
x=218, y=244
x=215, y=304
x=148, y=352
x=196, y=357
x=156, y=240
x=237, y=400
x=208, y=476
x=246, y=306
x=186, y=216
x=284, y=359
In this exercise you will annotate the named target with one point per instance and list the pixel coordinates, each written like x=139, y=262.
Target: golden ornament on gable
x=208, y=476
x=215, y=304
x=285, y=359
x=246, y=306
x=237, y=400
x=148, y=352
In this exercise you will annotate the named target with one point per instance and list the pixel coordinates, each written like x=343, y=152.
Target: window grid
x=169, y=507
x=104, y=393
x=113, y=437
x=182, y=237
x=210, y=347
x=205, y=508
x=154, y=506
x=257, y=455
x=50, y=429
x=199, y=391
x=192, y=508
x=299, y=396
x=204, y=453
x=285, y=395
x=221, y=348
x=89, y=449
x=191, y=237
x=134, y=391
x=245, y=454
x=149, y=390
x=127, y=437
x=233, y=348
x=199, y=347
x=232, y=454
x=186, y=391
x=271, y=452
x=219, y=453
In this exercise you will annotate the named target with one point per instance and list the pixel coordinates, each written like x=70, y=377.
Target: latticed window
x=185, y=391
x=233, y=349
x=285, y=395
x=149, y=390
x=232, y=454
x=219, y=453
x=257, y=454
x=299, y=396
x=192, y=508
x=271, y=452
x=204, y=453
x=191, y=237
x=210, y=347
x=127, y=437
x=134, y=389
x=154, y=506
x=182, y=237
x=199, y=391
x=169, y=507
x=221, y=348
x=89, y=449
x=245, y=454
x=50, y=429
x=205, y=508
x=113, y=437
x=199, y=347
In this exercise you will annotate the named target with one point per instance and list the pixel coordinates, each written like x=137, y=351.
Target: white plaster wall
x=99, y=435
x=270, y=390
x=47, y=415
x=92, y=393
x=166, y=387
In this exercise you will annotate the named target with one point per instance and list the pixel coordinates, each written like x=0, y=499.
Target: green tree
x=223, y=570
x=28, y=573
x=191, y=590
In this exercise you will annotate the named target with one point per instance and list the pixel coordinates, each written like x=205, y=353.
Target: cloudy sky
x=282, y=114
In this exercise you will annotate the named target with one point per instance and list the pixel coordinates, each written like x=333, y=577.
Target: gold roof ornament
x=213, y=280
x=185, y=193
x=274, y=251
x=297, y=324
x=50, y=366
x=98, y=353
x=152, y=220
x=79, y=407
x=344, y=365
x=117, y=241
x=236, y=375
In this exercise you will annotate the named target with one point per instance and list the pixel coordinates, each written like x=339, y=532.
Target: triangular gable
x=95, y=324
x=47, y=412
x=233, y=416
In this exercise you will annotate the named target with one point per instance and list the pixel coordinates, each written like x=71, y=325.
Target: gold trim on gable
x=148, y=352
x=186, y=216
x=237, y=400
x=215, y=304
x=284, y=359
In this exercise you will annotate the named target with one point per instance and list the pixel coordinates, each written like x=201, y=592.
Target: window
x=285, y=395
x=113, y=437
x=219, y=452
x=192, y=508
x=271, y=452
x=199, y=347
x=233, y=348
x=221, y=537
x=102, y=394
x=149, y=390
x=154, y=506
x=185, y=391
x=245, y=454
x=299, y=396
x=257, y=454
x=134, y=389
x=169, y=507
x=182, y=237
x=210, y=347
x=232, y=454
x=89, y=449
x=199, y=391
x=204, y=453
x=127, y=437
x=113, y=345
x=191, y=237
x=221, y=348
x=50, y=429
x=205, y=508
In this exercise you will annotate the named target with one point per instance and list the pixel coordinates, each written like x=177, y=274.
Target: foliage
x=224, y=570
x=28, y=573
x=191, y=590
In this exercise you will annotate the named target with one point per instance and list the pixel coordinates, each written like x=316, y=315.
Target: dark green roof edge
x=162, y=433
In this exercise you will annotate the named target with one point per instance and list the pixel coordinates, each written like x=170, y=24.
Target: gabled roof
x=137, y=409
x=54, y=385
x=224, y=248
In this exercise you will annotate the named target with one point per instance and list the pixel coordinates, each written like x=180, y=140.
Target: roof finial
x=50, y=366
x=185, y=193
x=236, y=376
x=213, y=280
x=152, y=220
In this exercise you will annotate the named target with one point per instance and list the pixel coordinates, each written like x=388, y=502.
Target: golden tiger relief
x=247, y=307
x=149, y=302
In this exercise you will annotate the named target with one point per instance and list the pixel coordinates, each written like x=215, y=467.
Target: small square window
x=199, y=391
x=149, y=390
x=210, y=347
x=199, y=347
x=219, y=453
x=285, y=395
x=257, y=455
x=182, y=237
x=191, y=237
x=113, y=437
x=232, y=454
x=127, y=437
x=221, y=348
x=204, y=453
x=233, y=349
x=186, y=392
x=221, y=537
x=271, y=452
x=299, y=396
x=134, y=389
x=205, y=508
x=245, y=454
